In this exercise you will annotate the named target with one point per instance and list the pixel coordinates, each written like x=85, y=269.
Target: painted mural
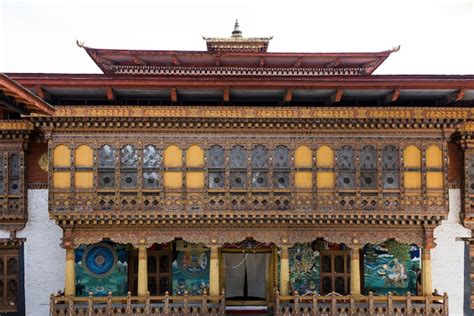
x=392, y=267
x=305, y=265
x=101, y=268
x=191, y=269
x=304, y=268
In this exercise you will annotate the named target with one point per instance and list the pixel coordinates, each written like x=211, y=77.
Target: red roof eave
x=20, y=93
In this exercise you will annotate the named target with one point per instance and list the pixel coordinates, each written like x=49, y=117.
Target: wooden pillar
x=355, y=269
x=426, y=281
x=284, y=271
x=214, y=271
x=142, y=271
x=70, y=280
x=427, y=285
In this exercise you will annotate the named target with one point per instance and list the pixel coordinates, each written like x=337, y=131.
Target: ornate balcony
x=134, y=305
x=360, y=305
x=290, y=305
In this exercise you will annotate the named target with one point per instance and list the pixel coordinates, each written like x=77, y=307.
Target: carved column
x=426, y=280
x=214, y=271
x=284, y=270
x=70, y=280
x=355, y=268
x=142, y=270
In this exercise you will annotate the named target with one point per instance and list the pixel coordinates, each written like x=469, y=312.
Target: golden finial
x=236, y=32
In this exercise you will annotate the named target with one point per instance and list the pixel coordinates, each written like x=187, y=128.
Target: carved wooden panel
x=12, y=183
x=248, y=173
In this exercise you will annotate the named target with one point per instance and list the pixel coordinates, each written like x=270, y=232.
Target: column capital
x=67, y=239
x=428, y=238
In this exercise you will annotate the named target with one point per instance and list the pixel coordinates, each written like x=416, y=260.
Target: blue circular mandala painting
x=99, y=259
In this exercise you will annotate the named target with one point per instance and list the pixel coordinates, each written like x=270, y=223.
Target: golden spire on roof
x=237, y=43
x=236, y=32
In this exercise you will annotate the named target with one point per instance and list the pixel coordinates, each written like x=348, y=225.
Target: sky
x=436, y=37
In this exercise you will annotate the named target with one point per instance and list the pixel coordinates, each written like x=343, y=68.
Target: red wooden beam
x=226, y=95
x=175, y=61
x=392, y=96
x=43, y=94
x=218, y=60
x=453, y=97
x=336, y=97
x=298, y=62
x=288, y=95
x=333, y=63
x=262, y=62
x=174, y=95
x=110, y=94
x=140, y=61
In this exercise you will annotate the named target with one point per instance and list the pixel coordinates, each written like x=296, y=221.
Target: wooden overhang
x=19, y=99
x=389, y=90
x=143, y=61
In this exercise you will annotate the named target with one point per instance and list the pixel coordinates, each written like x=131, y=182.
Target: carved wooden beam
x=288, y=95
x=174, y=95
x=110, y=94
x=336, y=97
x=226, y=96
x=392, y=96
x=453, y=97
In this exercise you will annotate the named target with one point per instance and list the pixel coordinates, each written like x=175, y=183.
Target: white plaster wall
x=44, y=258
x=447, y=258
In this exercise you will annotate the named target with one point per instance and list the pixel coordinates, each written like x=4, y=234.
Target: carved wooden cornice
x=244, y=219
x=279, y=236
x=15, y=129
x=428, y=113
x=234, y=71
x=10, y=243
x=207, y=119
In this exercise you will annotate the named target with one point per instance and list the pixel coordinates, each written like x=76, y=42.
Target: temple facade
x=235, y=179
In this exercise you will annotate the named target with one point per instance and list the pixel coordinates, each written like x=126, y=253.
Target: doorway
x=247, y=276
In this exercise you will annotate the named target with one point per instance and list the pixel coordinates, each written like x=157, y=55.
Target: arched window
x=106, y=167
x=173, y=163
x=281, y=167
x=195, y=167
x=346, y=167
x=303, y=164
x=434, y=168
x=215, y=165
x=151, y=163
x=325, y=168
x=368, y=167
x=391, y=167
x=128, y=167
x=260, y=167
x=61, y=167
x=238, y=167
x=412, y=168
x=84, y=164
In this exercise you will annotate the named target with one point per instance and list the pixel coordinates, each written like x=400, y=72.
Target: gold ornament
x=43, y=162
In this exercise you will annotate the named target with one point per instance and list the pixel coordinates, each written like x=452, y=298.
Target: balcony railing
x=134, y=305
x=290, y=305
x=360, y=305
